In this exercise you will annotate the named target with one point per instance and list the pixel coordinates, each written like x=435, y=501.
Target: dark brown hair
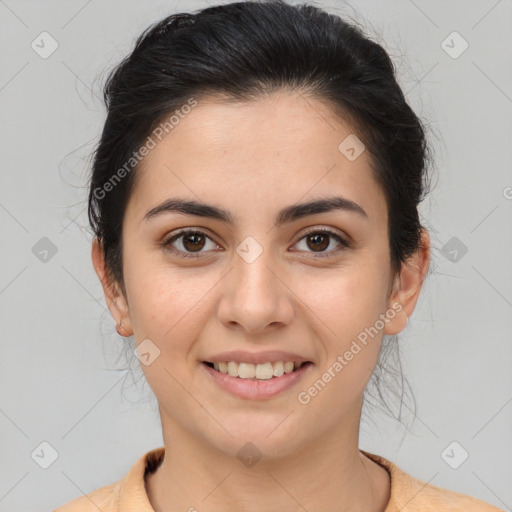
x=246, y=50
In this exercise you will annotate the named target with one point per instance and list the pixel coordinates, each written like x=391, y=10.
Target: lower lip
x=254, y=388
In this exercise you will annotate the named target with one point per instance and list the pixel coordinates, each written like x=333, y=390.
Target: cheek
x=348, y=299
x=165, y=301
x=168, y=307
x=346, y=310
x=347, y=305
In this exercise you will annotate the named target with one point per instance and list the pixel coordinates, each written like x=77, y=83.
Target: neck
x=320, y=477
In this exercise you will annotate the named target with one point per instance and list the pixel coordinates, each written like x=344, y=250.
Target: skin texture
x=254, y=159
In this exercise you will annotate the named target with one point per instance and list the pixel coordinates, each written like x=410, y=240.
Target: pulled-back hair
x=245, y=51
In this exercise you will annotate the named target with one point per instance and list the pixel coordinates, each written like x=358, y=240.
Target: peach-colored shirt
x=408, y=494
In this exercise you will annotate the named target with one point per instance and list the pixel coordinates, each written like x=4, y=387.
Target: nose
x=255, y=296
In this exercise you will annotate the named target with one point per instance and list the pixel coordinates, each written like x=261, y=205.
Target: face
x=306, y=284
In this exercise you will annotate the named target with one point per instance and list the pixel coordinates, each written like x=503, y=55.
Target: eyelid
x=330, y=231
x=184, y=231
x=343, y=240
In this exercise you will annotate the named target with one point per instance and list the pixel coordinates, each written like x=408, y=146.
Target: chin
x=256, y=437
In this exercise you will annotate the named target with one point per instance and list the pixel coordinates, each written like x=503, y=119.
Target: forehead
x=278, y=149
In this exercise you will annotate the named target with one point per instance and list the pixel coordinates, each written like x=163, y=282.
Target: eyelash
x=185, y=231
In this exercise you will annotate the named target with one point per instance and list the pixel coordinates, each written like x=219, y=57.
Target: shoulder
x=104, y=499
x=409, y=494
x=128, y=494
x=432, y=498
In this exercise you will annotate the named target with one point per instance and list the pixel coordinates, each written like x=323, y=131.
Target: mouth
x=249, y=371
x=256, y=381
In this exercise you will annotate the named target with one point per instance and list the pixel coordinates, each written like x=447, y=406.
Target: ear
x=116, y=301
x=407, y=286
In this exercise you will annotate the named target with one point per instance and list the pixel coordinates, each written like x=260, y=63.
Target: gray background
x=58, y=340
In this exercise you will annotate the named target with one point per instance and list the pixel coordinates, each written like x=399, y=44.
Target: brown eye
x=318, y=240
x=192, y=242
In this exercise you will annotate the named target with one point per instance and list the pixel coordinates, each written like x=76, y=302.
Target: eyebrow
x=284, y=216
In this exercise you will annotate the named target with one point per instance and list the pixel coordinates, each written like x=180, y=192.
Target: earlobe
x=115, y=299
x=407, y=289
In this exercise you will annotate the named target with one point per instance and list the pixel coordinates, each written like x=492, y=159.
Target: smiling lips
x=263, y=371
x=263, y=385
x=250, y=365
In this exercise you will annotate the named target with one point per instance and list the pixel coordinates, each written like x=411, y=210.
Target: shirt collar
x=132, y=494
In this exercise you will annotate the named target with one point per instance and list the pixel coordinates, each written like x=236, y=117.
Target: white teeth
x=246, y=371
x=288, y=367
x=232, y=368
x=278, y=369
x=262, y=371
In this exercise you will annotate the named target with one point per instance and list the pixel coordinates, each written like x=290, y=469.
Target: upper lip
x=269, y=356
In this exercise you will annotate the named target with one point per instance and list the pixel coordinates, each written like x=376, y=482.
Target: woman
x=254, y=199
